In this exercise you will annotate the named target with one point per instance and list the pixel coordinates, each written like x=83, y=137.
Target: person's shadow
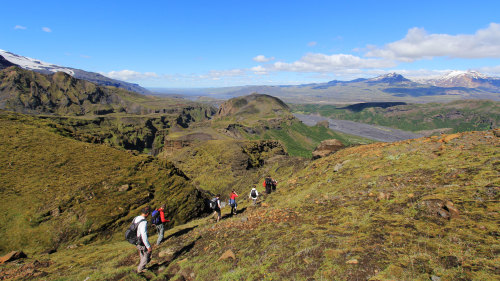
x=238, y=211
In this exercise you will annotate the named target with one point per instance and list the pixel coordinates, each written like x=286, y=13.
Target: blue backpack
x=156, y=219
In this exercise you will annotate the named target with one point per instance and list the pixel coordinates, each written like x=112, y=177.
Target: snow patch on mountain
x=390, y=78
x=386, y=76
x=470, y=74
x=33, y=64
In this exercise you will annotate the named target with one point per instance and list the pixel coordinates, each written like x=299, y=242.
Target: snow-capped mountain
x=466, y=79
x=390, y=78
x=459, y=73
x=35, y=65
x=48, y=68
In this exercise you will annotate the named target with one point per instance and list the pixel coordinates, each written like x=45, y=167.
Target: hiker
x=158, y=220
x=253, y=195
x=215, y=205
x=274, y=183
x=268, y=184
x=143, y=245
x=232, y=202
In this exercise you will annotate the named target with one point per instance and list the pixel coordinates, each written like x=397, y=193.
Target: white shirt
x=141, y=230
x=256, y=193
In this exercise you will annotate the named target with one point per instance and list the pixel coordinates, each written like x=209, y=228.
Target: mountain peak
x=392, y=77
x=458, y=78
x=33, y=64
x=469, y=74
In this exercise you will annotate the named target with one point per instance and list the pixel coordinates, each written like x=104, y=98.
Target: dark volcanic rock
x=5, y=63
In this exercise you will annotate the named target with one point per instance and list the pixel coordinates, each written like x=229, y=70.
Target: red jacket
x=162, y=215
x=233, y=195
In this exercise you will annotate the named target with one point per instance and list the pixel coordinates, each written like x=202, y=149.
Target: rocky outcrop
x=12, y=256
x=440, y=208
x=229, y=254
x=192, y=114
x=4, y=63
x=259, y=151
x=326, y=148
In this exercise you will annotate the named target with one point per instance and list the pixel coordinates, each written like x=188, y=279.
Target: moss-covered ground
x=410, y=210
x=57, y=192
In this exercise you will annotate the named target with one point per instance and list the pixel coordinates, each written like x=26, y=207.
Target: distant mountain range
x=8, y=59
x=392, y=87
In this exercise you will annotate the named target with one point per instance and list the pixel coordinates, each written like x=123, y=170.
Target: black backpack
x=213, y=203
x=131, y=233
x=269, y=182
x=253, y=194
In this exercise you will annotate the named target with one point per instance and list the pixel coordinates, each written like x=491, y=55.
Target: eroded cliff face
x=61, y=94
x=30, y=92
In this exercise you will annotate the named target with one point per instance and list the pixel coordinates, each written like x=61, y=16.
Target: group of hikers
x=137, y=232
x=215, y=204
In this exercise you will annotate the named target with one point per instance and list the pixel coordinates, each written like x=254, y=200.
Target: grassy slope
x=459, y=115
x=222, y=165
x=323, y=219
x=331, y=225
x=57, y=191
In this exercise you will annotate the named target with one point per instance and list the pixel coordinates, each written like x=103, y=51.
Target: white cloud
x=130, y=75
x=46, y=29
x=490, y=70
x=262, y=58
x=418, y=44
x=218, y=74
x=315, y=62
x=259, y=70
x=20, y=27
x=312, y=44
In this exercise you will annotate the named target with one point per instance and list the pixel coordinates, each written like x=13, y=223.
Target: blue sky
x=228, y=43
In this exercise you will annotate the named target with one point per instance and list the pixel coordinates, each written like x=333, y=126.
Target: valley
x=377, y=133
x=409, y=193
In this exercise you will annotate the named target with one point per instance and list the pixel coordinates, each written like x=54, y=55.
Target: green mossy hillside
x=411, y=210
x=258, y=116
x=57, y=191
x=60, y=94
x=252, y=108
x=401, y=211
x=222, y=165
